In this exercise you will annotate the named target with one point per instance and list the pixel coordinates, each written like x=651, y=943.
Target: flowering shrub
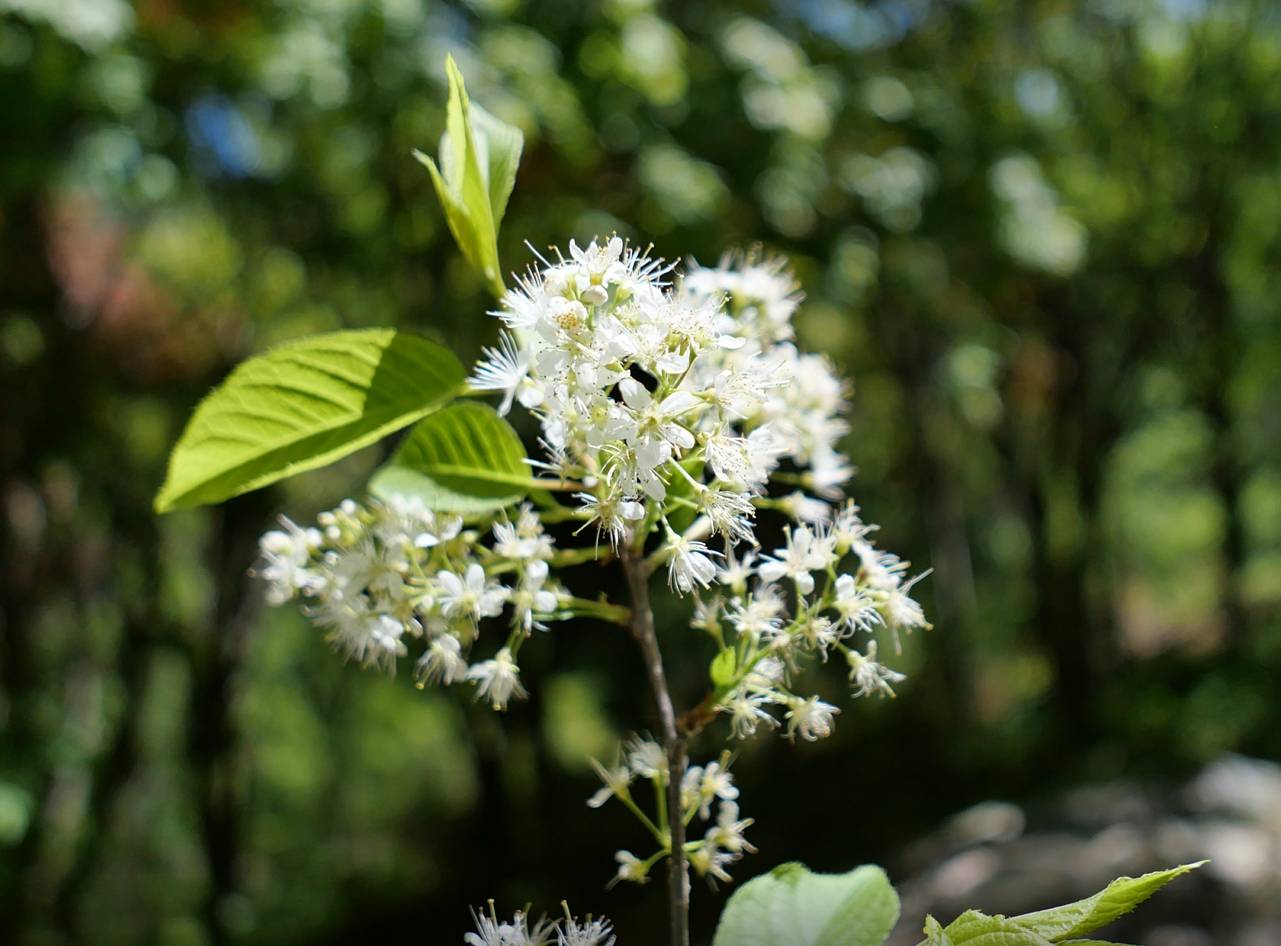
x=673, y=410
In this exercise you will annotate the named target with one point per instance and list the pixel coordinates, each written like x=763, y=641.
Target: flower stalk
x=642, y=628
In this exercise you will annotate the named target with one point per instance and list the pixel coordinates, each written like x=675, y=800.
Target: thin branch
x=642, y=628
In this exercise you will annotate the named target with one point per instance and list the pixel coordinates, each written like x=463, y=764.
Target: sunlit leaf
x=478, y=159
x=794, y=906
x=973, y=928
x=1115, y=900
x=303, y=405
x=463, y=459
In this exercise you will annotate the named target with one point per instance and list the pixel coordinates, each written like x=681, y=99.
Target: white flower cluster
x=702, y=786
x=491, y=931
x=804, y=416
x=379, y=575
x=770, y=613
x=673, y=414
x=659, y=398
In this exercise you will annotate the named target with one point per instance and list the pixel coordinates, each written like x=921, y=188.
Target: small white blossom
x=901, y=611
x=611, y=515
x=616, y=782
x=870, y=677
x=497, y=680
x=490, y=931
x=442, y=663
x=471, y=596
x=805, y=552
x=711, y=782
x=287, y=559
x=646, y=758
x=747, y=711
x=856, y=607
x=811, y=719
x=630, y=868
x=531, y=597
x=728, y=832
x=710, y=862
x=588, y=932
x=690, y=563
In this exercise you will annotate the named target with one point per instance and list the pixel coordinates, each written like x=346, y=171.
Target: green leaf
x=1116, y=899
x=478, y=159
x=794, y=906
x=304, y=405
x=935, y=935
x=973, y=928
x=464, y=459
x=723, y=667
x=498, y=147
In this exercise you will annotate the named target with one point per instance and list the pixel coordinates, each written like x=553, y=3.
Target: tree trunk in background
x=1222, y=355
x=942, y=520
x=44, y=404
x=215, y=661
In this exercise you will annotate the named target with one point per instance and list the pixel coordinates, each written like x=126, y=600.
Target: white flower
x=727, y=833
x=747, y=710
x=730, y=513
x=829, y=472
x=880, y=571
x=856, y=607
x=811, y=718
x=658, y=420
x=470, y=596
x=804, y=553
x=522, y=539
x=616, y=782
x=362, y=634
x=506, y=369
x=646, y=758
x=728, y=456
x=442, y=663
x=287, y=557
x=816, y=632
x=707, y=783
x=710, y=862
x=901, y=611
x=613, y=516
x=870, y=677
x=497, y=680
x=589, y=932
x=803, y=508
x=767, y=674
x=406, y=521
x=848, y=528
x=531, y=597
x=490, y=931
x=690, y=563
x=735, y=572
x=630, y=868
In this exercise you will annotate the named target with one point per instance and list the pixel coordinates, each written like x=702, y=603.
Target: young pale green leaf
x=464, y=459
x=973, y=928
x=498, y=147
x=794, y=906
x=722, y=668
x=935, y=935
x=1116, y=899
x=478, y=159
x=303, y=405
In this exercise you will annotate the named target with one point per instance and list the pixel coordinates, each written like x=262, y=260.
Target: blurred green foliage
x=1042, y=237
